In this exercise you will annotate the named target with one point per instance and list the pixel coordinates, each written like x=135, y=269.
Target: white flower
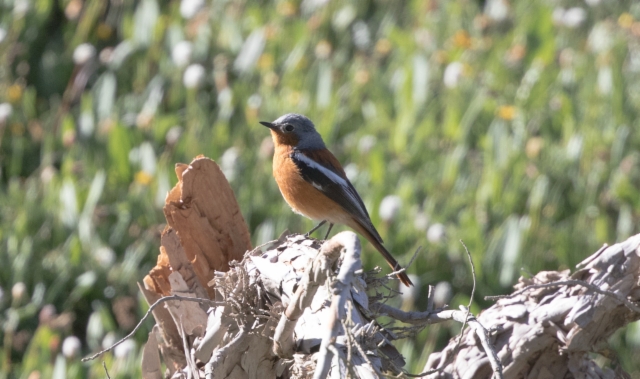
x=18, y=290
x=573, y=17
x=442, y=294
x=366, y=143
x=105, y=256
x=189, y=8
x=20, y=8
x=361, y=35
x=421, y=221
x=605, y=80
x=389, y=207
x=250, y=52
x=497, y=10
x=124, y=349
x=181, y=53
x=83, y=53
x=409, y=295
x=109, y=339
x=600, y=40
x=254, y=101
x=351, y=171
x=436, y=233
x=71, y=346
x=229, y=162
x=193, y=76
x=5, y=111
x=452, y=74
x=173, y=134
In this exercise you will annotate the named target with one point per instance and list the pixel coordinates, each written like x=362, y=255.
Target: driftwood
x=550, y=326
x=301, y=308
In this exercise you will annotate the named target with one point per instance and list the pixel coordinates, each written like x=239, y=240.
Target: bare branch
x=146, y=315
x=392, y=275
x=340, y=289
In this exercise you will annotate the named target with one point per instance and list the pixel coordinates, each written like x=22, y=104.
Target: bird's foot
x=315, y=228
x=328, y=231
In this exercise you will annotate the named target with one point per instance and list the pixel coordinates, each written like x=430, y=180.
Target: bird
x=314, y=184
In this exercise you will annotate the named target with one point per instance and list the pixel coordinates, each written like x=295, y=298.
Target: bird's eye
x=288, y=128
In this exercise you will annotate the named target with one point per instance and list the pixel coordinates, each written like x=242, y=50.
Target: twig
x=569, y=282
x=363, y=354
x=482, y=333
x=473, y=291
x=105, y=370
x=259, y=247
x=392, y=275
x=430, y=296
x=459, y=316
x=146, y=315
x=347, y=326
x=430, y=317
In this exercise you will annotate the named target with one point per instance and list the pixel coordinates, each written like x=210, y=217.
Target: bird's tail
x=385, y=253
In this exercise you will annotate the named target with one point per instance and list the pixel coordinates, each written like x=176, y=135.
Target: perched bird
x=314, y=184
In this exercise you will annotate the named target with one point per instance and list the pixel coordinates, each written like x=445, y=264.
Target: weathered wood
x=289, y=310
x=554, y=321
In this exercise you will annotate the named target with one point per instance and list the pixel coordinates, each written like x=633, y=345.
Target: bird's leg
x=315, y=228
x=328, y=231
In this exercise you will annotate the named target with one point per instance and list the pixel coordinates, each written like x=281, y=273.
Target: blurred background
x=510, y=125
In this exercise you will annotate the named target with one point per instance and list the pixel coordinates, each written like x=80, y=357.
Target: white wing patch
x=325, y=171
x=335, y=178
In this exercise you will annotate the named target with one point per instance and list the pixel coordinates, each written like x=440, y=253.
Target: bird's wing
x=322, y=170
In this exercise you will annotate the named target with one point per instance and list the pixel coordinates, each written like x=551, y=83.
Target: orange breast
x=301, y=196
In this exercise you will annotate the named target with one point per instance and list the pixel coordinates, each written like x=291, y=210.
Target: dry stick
x=259, y=247
x=146, y=315
x=363, y=354
x=473, y=291
x=105, y=370
x=436, y=317
x=496, y=365
x=472, y=321
x=340, y=288
x=430, y=296
x=350, y=339
x=570, y=282
x=483, y=334
x=393, y=274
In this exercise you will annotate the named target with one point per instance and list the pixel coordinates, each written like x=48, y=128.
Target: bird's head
x=295, y=130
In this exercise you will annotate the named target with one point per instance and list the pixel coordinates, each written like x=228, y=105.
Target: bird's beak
x=269, y=125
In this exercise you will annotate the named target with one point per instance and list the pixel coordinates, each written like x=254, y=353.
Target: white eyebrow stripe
x=346, y=188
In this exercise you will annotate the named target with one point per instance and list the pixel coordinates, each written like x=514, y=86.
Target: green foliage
x=514, y=129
